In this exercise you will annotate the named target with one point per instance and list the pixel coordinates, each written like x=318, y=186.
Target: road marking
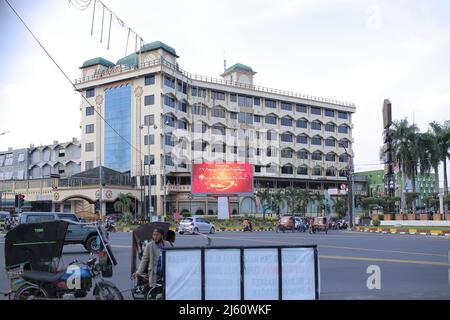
x=432, y=263
x=120, y=246
x=336, y=247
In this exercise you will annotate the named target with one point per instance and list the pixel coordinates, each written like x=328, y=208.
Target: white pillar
x=441, y=203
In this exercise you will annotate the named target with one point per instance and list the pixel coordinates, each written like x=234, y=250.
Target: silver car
x=195, y=225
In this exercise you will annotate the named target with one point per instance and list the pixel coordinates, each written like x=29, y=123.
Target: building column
x=103, y=204
x=53, y=206
x=61, y=207
x=206, y=205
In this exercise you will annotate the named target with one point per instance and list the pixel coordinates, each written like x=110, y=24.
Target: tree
x=264, y=198
x=320, y=198
x=124, y=203
x=278, y=200
x=442, y=140
x=303, y=197
x=406, y=152
x=340, y=205
x=290, y=195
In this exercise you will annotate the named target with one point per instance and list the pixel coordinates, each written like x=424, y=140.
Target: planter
x=398, y=216
x=387, y=217
x=411, y=216
x=424, y=216
x=437, y=217
x=376, y=216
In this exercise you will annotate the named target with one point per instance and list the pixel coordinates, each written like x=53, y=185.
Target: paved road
x=412, y=267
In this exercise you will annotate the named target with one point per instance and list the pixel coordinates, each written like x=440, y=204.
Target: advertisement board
x=226, y=179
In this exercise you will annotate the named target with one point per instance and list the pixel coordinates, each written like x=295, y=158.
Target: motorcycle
x=110, y=225
x=34, y=249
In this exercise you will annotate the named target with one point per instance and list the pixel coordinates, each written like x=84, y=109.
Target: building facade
x=159, y=119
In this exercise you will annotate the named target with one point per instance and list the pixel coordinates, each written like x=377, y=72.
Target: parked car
x=77, y=233
x=4, y=220
x=195, y=225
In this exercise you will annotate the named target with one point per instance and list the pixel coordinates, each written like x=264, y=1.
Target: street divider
x=436, y=232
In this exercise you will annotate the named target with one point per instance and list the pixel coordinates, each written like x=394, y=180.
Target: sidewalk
x=414, y=231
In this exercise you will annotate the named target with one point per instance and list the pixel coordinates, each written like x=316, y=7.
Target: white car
x=195, y=225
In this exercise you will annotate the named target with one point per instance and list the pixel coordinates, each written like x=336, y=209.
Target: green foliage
x=376, y=223
x=124, y=203
x=340, y=205
x=186, y=214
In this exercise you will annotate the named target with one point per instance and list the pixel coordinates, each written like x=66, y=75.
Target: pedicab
x=286, y=223
x=319, y=224
x=32, y=261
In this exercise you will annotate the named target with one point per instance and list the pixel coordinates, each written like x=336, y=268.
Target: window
x=9, y=159
x=317, y=171
x=233, y=115
x=331, y=157
x=218, y=148
x=330, y=142
x=182, y=125
x=21, y=157
x=343, y=143
x=168, y=140
x=182, y=164
x=302, y=123
x=258, y=151
x=287, y=153
x=330, y=172
x=89, y=147
x=149, y=120
x=149, y=100
x=90, y=93
x=301, y=108
x=257, y=118
x=152, y=159
x=271, y=136
x=329, y=113
x=245, y=101
x=330, y=127
x=343, y=158
x=169, y=121
x=149, y=79
x=257, y=169
x=199, y=145
x=169, y=101
x=218, y=130
x=343, y=173
x=287, y=137
x=302, y=154
x=245, y=117
x=270, y=103
x=342, y=115
x=271, y=152
x=317, y=156
x=218, y=112
x=89, y=128
x=179, y=86
x=315, y=110
x=343, y=129
x=149, y=139
x=89, y=165
x=199, y=127
x=184, y=87
x=202, y=92
x=302, y=171
x=90, y=111
x=169, y=81
x=194, y=91
x=286, y=106
x=271, y=119
x=199, y=110
x=169, y=160
x=316, y=141
x=245, y=152
x=303, y=139
x=286, y=121
x=233, y=97
x=316, y=125
x=257, y=101
x=234, y=149
x=287, y=169
x=218, y=95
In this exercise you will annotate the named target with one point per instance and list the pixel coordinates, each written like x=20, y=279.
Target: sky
x=351, y=50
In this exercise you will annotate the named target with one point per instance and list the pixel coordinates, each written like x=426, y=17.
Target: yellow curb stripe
x=432, y=263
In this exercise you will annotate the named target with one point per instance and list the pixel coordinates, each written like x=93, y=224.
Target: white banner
x=261, y=274
x=183, y=275
x=298, y=274
x=222, y=274
x=223, y=208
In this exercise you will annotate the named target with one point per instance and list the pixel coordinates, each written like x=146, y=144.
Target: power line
x=68, y=79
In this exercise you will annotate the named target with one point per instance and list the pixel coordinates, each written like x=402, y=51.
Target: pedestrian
x=152, y=258
x=170, y=237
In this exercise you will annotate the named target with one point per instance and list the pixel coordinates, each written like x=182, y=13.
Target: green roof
x=95, y=61
x=158, y=45
x=131, y=59
x=239, y=67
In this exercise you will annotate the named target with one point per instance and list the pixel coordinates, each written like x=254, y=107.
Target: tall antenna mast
x=224, y=62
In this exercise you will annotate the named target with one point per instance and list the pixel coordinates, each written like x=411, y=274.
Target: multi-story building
x=55, y=160
x=158, y=114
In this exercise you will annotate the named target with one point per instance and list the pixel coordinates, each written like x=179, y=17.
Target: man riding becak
x=152, y=257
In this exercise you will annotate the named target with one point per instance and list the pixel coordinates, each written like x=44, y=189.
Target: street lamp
x=350, y=185
x=166, y=122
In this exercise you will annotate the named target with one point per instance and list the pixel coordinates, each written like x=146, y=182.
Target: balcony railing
x=121, y=69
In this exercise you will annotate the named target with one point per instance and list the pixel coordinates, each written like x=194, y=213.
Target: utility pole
x=350, y=187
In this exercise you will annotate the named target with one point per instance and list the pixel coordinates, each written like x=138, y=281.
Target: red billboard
x=222, y=178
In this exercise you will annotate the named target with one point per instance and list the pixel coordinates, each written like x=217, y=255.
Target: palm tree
x=278, y=200
x=340, y=205
x=264, y=198
x=303, y=197
x=320, y=198
x=290, y=195
x=124, y=203
x=442, y=136
x=406, y=153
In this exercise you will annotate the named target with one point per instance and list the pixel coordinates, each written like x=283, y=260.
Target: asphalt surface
x=412, y=267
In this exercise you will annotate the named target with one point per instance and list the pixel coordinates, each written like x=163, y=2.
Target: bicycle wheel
x=154, y=293
x=107, y=291
x=28, y=292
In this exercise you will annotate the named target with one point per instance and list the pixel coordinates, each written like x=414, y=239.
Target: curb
x=412, y=232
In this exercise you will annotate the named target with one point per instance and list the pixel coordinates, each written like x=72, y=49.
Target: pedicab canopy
x=35, y=245
x=143, y=235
